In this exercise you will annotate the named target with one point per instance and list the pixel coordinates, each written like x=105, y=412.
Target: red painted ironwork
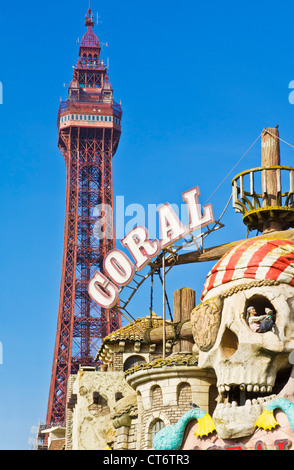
x=89, y=132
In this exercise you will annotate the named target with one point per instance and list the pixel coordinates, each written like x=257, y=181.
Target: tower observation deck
x=89, y=129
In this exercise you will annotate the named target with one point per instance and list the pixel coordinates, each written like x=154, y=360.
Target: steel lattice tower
x=89, y=128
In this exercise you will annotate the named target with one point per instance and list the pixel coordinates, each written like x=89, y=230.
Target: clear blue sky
x=198, y=83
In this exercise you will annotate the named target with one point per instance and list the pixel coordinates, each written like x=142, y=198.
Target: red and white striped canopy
x=259, y=259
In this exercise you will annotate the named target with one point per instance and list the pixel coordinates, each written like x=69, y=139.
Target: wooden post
x=163, y=309
x=154, y=336
x=270, y=156
x=184, y=302
x=270, y=147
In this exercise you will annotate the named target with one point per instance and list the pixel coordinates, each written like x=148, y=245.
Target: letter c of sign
x=103, y=291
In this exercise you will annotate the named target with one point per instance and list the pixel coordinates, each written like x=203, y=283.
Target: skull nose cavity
x=229, y=344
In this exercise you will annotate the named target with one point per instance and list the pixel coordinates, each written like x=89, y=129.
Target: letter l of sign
x=196, y=218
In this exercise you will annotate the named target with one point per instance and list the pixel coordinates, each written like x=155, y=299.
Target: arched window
x=133, y=361
x=184, y=394
x=155, y=427
x=156, y=396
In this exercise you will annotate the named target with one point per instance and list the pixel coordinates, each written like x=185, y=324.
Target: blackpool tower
x=89, y=129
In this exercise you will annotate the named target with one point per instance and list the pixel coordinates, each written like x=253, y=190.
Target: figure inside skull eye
x=268, y=321
x=260, y=323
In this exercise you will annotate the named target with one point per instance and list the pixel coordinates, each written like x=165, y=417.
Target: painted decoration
x=272, y=433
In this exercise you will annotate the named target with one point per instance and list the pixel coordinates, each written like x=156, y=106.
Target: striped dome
x=259, y=259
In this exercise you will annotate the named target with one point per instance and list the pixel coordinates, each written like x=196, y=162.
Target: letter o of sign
x=118, y=267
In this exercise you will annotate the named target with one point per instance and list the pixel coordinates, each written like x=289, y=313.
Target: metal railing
x=65, y=105
x=74, y=106
x=255, y=195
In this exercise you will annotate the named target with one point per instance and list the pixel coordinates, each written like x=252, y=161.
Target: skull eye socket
x=260, y=315
x=229, y=343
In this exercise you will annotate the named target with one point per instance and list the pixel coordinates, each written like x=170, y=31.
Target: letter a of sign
x=171, y=228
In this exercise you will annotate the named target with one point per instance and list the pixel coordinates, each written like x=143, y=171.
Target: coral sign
x=119, y=270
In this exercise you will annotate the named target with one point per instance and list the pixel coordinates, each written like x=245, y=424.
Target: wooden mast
x=270, y=156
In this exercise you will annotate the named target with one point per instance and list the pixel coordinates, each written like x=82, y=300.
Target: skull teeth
x=243, y=394
x=249, y=388
x=254, y=401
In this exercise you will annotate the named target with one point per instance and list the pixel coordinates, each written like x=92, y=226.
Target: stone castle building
x=137, y=388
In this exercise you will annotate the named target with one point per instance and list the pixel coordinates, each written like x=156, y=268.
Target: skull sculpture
x=251, y=367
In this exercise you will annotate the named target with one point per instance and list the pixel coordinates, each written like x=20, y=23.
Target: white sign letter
x=171, y=229
x=141, y=248
x=118, y=267
x=103, y=291
x=197, y=219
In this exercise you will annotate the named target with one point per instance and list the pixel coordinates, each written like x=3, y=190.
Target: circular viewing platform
x=264, y=195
